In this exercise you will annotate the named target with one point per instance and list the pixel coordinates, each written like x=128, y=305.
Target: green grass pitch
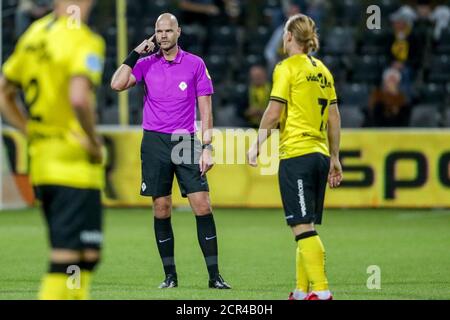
x=257, y=255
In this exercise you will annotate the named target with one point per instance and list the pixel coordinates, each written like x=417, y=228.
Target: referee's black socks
x=165, y=242
x=207, y=238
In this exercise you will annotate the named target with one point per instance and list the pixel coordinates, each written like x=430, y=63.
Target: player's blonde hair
x=304, y=30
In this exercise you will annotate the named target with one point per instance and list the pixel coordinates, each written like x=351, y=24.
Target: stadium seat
x=339, y=40
x=446, y=118
x=155, y=7
x=334, y=64
x=234, y=94
x=111, y=38
x=224, y=40
x=134, y=9
x=109, y=115
x=425, y=116
x=373, y=42
x=351, y=116
x=353, y=94
x=191, y=36
x=348, y=12
x=366, y=69
x=257, y=39
x=234, y=101
x=150, y=10
x=239, y=93
x=10, y=4
x=226, y=116
x=432, y=93
x=439, y=70
x=244, y=65
x=448, y=91
x=135, y=97
x=194, y=49
x=443, y=45
x=217, y=66
x=388, y=6
x=109, y=69
x=7, y=51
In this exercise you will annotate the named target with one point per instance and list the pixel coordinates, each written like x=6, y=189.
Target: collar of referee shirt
x=178, y=58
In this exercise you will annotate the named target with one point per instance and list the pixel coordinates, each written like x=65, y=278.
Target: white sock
x=323, y=295
x=299, y=295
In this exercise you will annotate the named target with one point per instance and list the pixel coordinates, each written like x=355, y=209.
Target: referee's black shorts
x=165, y=155
x=74, y=216
x=303, y=182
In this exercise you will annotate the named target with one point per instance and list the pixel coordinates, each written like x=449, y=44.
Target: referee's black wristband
x=132, y=59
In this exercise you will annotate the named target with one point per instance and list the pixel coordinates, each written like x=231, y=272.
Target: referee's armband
x=132, y=59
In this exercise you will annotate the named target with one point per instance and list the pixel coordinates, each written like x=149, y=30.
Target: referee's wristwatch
x=208, y=146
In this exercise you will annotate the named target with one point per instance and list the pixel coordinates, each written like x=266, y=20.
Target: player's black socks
x=165, y=242
x=207, y=238
x=89, y=265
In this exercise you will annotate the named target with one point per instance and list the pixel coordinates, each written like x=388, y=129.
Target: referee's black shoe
x=218, y=283
x=170, y=282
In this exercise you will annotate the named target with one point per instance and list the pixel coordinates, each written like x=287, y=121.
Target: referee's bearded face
x=167, y=33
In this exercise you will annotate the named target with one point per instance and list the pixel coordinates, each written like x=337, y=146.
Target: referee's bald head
x=168, y=17
x=167, y=31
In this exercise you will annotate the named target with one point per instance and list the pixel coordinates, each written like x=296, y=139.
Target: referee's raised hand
x=146, y=46
x=123, y=78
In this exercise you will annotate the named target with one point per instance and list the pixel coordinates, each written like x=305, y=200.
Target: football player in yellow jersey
x=57, y=63
x=304, y=103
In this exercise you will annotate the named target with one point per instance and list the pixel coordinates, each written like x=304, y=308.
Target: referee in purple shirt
x=175, y=81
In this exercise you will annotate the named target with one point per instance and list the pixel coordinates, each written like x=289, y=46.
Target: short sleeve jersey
x=47, y=56
x=306, y=86
x=171, y=91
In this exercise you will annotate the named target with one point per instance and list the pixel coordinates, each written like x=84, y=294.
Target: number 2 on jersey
x=32, y=91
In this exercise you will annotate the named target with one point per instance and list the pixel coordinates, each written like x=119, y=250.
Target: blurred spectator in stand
x=252, y=13
x=274, y=51
x=406, y=47
x=209, y=12
x=312, y=8
x=28, y=11
x=276, y=11
x=423, y=19
x=441, y=19
x=388, y=105
x=198, y=11
x=258, y=95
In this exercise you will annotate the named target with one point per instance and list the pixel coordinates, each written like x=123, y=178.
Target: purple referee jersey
x=171, y=91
